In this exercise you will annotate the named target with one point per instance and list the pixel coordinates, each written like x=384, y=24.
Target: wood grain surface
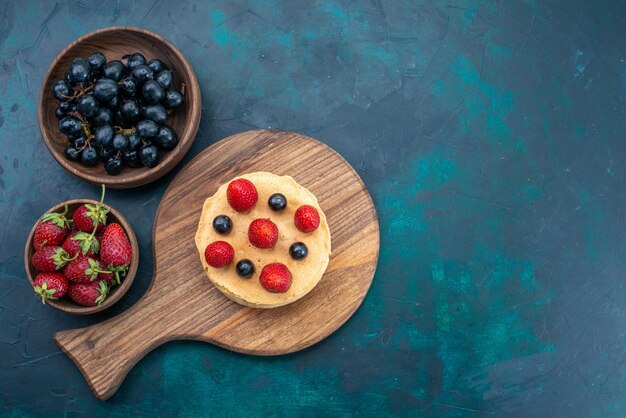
x=115, y=42
x=181, y=303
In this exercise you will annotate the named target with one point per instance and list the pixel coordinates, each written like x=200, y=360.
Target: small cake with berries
x=263, y=240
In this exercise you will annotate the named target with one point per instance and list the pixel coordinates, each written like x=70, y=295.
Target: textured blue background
x=491, y=136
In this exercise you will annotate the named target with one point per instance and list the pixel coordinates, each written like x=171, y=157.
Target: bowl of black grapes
x=119, y=106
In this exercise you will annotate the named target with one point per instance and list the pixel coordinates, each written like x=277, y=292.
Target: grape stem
x=126, y=132
x=81, y=91
x=86, y=130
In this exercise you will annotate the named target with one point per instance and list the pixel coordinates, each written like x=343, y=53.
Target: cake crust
x=306, y=273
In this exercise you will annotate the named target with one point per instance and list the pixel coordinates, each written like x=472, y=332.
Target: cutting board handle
x=106, y=352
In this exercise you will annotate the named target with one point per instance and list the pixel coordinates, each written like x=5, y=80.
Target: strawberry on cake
x=263, y=240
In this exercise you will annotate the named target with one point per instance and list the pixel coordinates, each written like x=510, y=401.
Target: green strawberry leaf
x=58, y=219
x=103, y=289
x=93, y=270
x=97, y=214
x=84, y=246
x=61, y=257
x=44, y=292
x=119, y=271
x=87, y=242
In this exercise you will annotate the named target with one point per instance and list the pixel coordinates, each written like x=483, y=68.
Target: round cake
x=263, y=240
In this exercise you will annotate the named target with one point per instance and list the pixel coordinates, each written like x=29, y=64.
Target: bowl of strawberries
x=81, y=256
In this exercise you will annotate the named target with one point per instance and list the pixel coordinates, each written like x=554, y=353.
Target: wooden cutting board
x=181, y=303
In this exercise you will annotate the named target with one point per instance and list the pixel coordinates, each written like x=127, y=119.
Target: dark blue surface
x=491, y=136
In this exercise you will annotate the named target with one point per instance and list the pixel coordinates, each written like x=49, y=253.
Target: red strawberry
x=275, y=278
x=306, y=218
x=219, y=254
x=89, y=294
x=242, y=195
x=83, y=270
x=115, y=251
x=50, y=259
x=52, y=229
x=77, y=242
x=114, y=246
x=50, y=286
x=87, y=216
x=263, y=233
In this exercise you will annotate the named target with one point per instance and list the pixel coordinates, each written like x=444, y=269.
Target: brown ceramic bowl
x=114, y=42
x=66, y=304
